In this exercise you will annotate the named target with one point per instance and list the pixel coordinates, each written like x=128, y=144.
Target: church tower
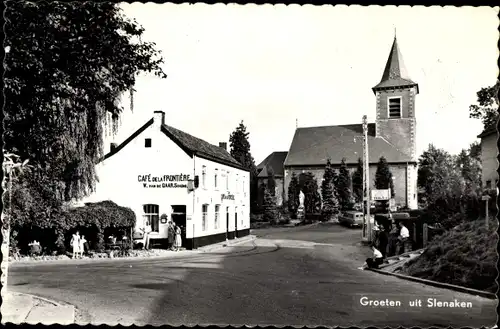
x=395, y=95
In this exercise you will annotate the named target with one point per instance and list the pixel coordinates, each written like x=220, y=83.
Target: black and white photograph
x=243, y=164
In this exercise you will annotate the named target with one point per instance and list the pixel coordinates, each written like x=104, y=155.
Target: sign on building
x=381, y=195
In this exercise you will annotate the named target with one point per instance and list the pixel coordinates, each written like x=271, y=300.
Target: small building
x=393, y=136
x=273, y=163
x=164, y=174
x=489, y=157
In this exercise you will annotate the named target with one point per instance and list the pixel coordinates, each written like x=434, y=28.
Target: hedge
x=92, y=220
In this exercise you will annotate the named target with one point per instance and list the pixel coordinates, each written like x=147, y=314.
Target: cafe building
x=164, y=174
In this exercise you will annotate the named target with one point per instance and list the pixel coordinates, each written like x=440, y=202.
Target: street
x=305, y=276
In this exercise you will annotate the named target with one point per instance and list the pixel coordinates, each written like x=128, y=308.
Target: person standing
x=75, y=243
x=404, y=235
x=147, y=231
x=178, y=239
x=171, y=235
x=82, y=245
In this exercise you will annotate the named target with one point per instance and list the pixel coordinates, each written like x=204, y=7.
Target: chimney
x=159, y=119
x=112, y=147
x=223, y=145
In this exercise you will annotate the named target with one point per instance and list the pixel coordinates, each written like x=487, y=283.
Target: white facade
x=154, y=180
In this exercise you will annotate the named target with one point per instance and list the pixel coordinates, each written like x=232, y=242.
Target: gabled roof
x=488, y=131
x=275, y=162
x=395, y=74
x=193, y=146
x=312, y=146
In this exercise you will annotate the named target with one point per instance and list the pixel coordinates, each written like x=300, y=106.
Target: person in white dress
x=178, y=239
x=75, y=243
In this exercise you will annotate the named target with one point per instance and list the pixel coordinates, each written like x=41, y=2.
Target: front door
x=235, y=224
x=179, y=218
x=227, y=223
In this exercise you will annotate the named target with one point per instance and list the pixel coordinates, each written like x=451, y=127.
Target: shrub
x=463, y=256
x=271, y=213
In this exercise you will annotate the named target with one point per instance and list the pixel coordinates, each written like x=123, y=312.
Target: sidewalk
x=20, y=308
x=227, y=243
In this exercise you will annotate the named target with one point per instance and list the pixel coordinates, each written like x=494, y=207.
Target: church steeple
x=395, y=74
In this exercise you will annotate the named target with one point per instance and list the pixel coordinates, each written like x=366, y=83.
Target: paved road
x=295, y=276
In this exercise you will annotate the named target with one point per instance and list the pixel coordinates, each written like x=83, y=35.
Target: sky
x=275, y=65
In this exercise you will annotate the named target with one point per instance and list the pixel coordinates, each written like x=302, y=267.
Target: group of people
x=79, y=244
x=174, y=236
x=389, y=242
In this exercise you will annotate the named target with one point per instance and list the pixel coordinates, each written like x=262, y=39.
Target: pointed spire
x=395, y=74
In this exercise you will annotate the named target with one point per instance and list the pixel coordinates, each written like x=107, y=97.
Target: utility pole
x=366, y=176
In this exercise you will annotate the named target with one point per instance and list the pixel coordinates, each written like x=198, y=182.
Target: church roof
x=188, y=143
x=274, y=161
x=312, y=146
x=395, y=74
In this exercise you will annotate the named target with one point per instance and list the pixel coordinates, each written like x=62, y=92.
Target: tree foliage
x=293, y=195
x=240, y=150
x=330, y=204
x=312, y=198
x=270, y=209
x=383, y=176
x=271, y=181
x=66, y=66
x=357, y=182
x=486, y=108
x=344, y=186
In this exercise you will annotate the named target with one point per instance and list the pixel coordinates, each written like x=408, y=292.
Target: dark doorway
x=227, y=223
x=179, y=218
x=235, y=224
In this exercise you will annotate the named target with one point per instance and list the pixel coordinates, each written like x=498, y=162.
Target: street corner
x=25, y=308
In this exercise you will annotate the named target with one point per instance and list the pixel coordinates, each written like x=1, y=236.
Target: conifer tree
x=357, y=182
x=270, y=208
x=271, y=181
x=293, y=195
x=312, y=198
x=383, y=176
x=344, y=186
x=330, y=206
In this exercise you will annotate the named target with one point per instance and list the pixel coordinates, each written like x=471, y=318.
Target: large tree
x=293, y=195
x=383, y=176
x=330, y=204
x=67, y=64
x=269, y=207
x=486, y=108
x=271, y=181
x=240, y=150
x=357, y=182
x=344, y=186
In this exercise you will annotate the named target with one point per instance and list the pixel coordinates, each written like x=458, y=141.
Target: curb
x=439, y=284
x=228, y=243
x=42, y=298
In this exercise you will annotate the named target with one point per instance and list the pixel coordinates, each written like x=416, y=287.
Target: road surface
x=305, y=276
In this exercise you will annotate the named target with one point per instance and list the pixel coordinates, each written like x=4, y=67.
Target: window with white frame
x=227, y=180
x=151, y=216
x=236, y=188
x=215, y=179
x=204, y=217
x=394, y=107
x=204, y=177
x=217, y=216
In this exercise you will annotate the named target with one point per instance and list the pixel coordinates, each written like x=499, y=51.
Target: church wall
x=382, y=102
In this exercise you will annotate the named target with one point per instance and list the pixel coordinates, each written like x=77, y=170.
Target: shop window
x=204, y=214
x=147, y=142
x=215, y=179
x=217, y=216
x=394, y=105
x=204, y=177
x=152, y=216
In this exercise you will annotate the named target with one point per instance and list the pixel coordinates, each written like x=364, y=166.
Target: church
x=392, y=135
